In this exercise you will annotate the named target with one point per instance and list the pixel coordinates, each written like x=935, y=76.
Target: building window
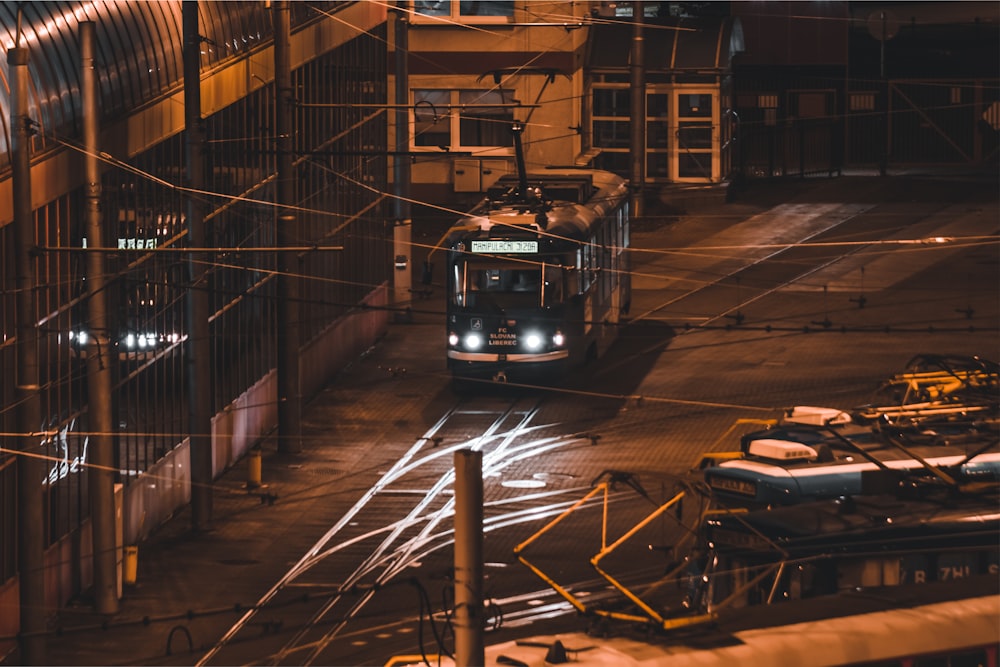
x=466, y=11
x=463, y=120
x=862, y=101
x=694, y=105
x=768, y=101
x=812, y=104
x=611, y=119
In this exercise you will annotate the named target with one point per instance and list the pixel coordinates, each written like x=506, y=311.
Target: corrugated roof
x=139, y=52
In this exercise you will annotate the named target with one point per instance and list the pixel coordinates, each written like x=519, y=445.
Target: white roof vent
x=808, y=414
x=781, y=450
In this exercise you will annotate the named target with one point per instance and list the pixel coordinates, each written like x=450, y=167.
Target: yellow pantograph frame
x=604, y=489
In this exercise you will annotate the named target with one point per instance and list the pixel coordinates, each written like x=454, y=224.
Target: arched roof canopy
x=139, y=55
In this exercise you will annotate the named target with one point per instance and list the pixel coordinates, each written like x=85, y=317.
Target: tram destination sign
x=504, y=246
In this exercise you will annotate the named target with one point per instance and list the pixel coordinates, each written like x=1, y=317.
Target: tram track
x=401, y=519
x=766, y=255
x=787, y=249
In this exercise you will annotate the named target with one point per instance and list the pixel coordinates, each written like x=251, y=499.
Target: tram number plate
x=501, y=357
x=498, y=246
x=734, y=485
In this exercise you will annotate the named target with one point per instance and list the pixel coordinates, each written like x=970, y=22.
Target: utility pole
x=198, y=360
x=883, y=164
x=289, y=392
x=637, y=88
x=30, y=468
x=100, y=357
x=403, y=226
x=469, y=644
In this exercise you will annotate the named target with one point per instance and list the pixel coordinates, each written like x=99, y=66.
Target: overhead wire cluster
x=892, y=245
x=916, y=243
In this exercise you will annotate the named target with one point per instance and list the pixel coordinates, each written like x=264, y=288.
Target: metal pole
x=100, y=360
x=401, y=161
x=469, y=645
x=883, y=165
x=198, y=362
x=637, y=87
x=402, y=232
x=289, y=394
x=30, y=469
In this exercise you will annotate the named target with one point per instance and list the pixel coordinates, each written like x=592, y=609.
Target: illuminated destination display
x=505, y=246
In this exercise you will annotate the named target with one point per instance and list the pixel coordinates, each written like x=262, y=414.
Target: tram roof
x=578, y=197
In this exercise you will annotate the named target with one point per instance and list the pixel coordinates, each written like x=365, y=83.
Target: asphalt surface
x=191, y=587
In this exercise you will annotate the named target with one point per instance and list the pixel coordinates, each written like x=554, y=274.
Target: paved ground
x=190, y=586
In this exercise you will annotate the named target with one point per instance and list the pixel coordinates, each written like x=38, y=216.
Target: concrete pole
x=469, y=621
x=883, y=163
x=30, y=469
x=198, y=361
x=100, y=357
x=402, y=230
x=289, y=393
x=637, y=88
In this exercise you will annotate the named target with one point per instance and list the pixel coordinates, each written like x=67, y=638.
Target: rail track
x=398, y=523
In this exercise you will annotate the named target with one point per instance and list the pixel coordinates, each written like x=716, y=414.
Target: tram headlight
x=452, y=338
x=142, y=341
x=558, y=339
x=473, y=341
x=533, y=341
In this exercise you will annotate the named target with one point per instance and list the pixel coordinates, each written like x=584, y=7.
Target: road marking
x=883, y=265
x=740, y=245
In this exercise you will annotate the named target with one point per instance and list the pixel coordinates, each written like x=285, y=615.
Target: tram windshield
x=507, y=285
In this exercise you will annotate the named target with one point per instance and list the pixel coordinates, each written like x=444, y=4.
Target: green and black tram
x=538, y=275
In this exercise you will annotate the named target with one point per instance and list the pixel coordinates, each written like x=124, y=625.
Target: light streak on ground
x=507, y=436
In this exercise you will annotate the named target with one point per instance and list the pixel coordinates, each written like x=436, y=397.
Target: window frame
x=455, y=15
x=452, y=114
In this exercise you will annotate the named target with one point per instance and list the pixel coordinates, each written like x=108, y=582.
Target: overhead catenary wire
x=250, y=250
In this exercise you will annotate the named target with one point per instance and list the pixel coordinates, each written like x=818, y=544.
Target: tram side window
x=581, y=270
x=606, y=276
x=458, y=293
x=553, y=285
x=587, y=273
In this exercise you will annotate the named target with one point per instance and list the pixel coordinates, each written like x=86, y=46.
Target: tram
x=873, y=580
x=900, y=546
x=935, y=423
x=537, y=274
x=952, y=632
x=795, y=463
x=144, y=290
